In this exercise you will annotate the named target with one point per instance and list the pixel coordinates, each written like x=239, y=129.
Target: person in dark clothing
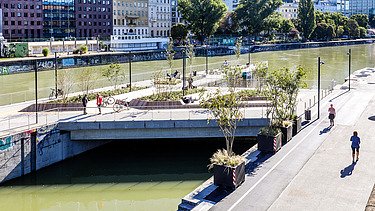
x=356, y=141
x=85, y=100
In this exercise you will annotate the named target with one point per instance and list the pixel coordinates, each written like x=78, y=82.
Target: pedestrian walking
x=332, y=115
x=355, y=145
x=99, y=102
x=85, y=100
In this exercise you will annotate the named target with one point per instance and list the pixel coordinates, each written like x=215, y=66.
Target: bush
x=45, y=51
x=171, y=96
x=83, y=49
x=221, y=157
x=76, y=51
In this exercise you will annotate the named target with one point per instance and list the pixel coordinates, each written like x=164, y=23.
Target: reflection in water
x=123, y=175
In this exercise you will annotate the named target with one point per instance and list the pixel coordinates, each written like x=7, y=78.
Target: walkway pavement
x=314, y=171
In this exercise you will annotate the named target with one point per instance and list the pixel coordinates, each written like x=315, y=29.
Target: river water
x=122, y=175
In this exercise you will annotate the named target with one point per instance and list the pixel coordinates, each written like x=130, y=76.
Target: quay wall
x=31, y=150
x=73, y=61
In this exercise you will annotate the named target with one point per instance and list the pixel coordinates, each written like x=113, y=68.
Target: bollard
x=305, y=105
x=309, y=103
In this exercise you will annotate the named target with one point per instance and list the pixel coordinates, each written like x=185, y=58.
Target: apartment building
x=361, y=7
x=21, y=19
x=231, y=4
x=93, y=18
x=289, y=10
x=160, y=20
x=130, y=17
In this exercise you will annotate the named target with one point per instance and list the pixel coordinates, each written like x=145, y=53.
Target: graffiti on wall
x=47, y=137
x=10, y=141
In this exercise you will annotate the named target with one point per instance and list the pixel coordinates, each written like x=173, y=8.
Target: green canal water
x=20, y=87
x=122, y=175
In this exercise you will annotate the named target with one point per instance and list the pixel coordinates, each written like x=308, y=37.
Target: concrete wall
x=110, y=130
x=29, y=151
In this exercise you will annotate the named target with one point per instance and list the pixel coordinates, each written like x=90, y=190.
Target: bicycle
x=120, y=105
x=108, y=101
x=52, y=95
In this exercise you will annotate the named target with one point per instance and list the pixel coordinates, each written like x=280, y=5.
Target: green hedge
x=171, y=96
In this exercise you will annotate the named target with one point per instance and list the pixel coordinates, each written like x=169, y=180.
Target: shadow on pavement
x=325, y=130
x=347, y=171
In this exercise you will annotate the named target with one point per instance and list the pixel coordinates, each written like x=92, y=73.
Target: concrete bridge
x=159, y=129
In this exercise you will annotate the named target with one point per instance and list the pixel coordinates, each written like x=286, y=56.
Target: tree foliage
x=179, y=32
x=252, y=13
x=170, y=54
x=86, y=77
x=362, y=19
x=114, y=74
x=273, y=22
x=203, y=16
x=353, y=28
x=306, y=15
x=228, y=24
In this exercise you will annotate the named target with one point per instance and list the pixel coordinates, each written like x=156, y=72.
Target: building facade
x=231, y=4
x=176, y=16
x=326, y=6
x=159, y=14
x=58, y=18
x=361, y=7
x=130, y=17
x=22, y=19
x=289, y=10
x=93, y=18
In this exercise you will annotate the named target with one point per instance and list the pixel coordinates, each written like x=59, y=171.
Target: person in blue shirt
x=355, y=144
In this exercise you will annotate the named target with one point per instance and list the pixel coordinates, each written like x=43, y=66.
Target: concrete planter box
x=268, y=143
x=297, y=125
x=229, y=177
x=287, y=134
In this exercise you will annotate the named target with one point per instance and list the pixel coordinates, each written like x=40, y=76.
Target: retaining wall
x=32, y=150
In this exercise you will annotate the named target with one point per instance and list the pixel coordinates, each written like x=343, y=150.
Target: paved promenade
x=315, y=171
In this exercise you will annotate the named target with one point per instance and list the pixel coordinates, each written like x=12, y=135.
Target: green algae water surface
x=137, y=176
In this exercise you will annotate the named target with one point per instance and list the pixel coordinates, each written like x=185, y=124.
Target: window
x=25, y=14
x=6, y=23
x=25, y=6
x=32, y=15
x=32, y=7
x=12, y=14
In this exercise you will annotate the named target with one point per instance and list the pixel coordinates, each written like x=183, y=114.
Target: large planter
x=268, y=143
x=287, y=134
x=297, y=125
x=229, y=177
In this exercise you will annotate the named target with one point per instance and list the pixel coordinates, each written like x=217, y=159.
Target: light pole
x=248, y=40
x=206, y=59
x=130, y=71
x=319, y=64
x=350, y=64
x=183, y=70
x=56, y=93
x=36, y=90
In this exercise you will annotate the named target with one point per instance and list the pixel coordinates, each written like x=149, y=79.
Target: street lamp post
x=36, y=90
x=183, y=71
x=130, y=71
x=56, y=93
x=350, y=64
x=248, y=40
x=319, y=64
x=206, y=59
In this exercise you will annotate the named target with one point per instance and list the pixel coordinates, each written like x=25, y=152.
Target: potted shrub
x=83, y=49
x=297, y=122
x=45, y=51
x=287, y=131
x=228, y=168
x=269, y=139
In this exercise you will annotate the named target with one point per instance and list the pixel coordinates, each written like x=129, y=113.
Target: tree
x=114, y=73
x=324, y=31
x=306, y=15
x=372, y=20
x=237, y=50
x=179, y=32
x=65, y=82
x=362, y=32
x=203, y=16
x=286, y=26
x=86, y=78
x=252, y=13
x=353, y=28
x=273, y=23
x=340, y=31
x=362, y=20
x=170, y=54
x=228, y=24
